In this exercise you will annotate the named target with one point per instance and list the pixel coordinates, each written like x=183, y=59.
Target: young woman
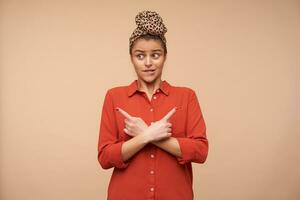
x=150, y=130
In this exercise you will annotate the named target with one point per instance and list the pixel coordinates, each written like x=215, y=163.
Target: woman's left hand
x=133, y=125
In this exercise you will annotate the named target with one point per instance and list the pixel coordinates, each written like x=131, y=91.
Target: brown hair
x=149, y=37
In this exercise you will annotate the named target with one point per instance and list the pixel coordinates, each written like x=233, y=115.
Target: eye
x=140, y=56
x=156, y=55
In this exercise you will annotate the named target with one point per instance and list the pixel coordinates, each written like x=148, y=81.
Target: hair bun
x=150, y=22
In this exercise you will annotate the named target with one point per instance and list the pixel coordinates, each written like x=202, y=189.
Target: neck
x=149, y=88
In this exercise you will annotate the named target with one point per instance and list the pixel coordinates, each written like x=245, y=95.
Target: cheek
x=159, y=63
x=137, y=64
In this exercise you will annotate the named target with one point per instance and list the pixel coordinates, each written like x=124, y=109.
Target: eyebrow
x=138, y=50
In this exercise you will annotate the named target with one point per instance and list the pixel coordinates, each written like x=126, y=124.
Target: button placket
x=151, y=171
x=152, y=158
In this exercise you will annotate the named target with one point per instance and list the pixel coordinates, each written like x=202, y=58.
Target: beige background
x=58, y=58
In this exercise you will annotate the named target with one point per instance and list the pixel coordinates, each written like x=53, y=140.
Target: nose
x=148, y=62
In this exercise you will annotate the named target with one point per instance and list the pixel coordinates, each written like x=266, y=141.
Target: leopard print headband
x=148, y=22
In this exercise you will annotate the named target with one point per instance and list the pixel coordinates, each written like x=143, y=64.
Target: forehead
x=147, y=45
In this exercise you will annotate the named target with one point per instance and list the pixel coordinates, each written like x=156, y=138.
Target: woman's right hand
x=156, y=131
x=160, y=129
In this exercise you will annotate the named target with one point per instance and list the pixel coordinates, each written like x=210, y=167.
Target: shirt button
x=151, y=109
x=151, y=172
x=152, y=189
x=154, y=97
x=152, y=155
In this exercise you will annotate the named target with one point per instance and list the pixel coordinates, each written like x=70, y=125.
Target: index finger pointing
x=169, y=114
x=124, y=113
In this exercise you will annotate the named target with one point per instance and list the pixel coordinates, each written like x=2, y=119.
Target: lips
x=149, y=70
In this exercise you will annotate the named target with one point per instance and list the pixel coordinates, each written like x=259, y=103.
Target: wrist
x=146, y=137
x=161, y=141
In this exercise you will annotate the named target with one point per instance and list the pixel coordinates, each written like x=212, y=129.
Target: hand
x=133, y=125
x=160, y=129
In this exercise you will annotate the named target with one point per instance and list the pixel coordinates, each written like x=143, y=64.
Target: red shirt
x=152, y=173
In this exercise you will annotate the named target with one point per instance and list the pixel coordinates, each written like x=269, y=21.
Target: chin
x=148, y=79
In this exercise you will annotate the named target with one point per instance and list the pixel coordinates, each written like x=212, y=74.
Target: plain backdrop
x=58, y=58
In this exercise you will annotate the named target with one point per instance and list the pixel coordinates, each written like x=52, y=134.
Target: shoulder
x=183, y=90
x=116, y=90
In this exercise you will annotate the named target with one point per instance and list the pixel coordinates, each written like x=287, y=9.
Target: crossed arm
x=158, y=133
x=113, y=153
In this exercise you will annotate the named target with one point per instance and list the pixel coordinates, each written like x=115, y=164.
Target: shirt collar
x=133, y=87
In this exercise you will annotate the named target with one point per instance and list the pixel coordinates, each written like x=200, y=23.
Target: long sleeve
x=194, y=147
x=109, y=147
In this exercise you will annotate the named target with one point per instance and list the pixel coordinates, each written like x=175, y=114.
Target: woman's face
x=148, y=59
